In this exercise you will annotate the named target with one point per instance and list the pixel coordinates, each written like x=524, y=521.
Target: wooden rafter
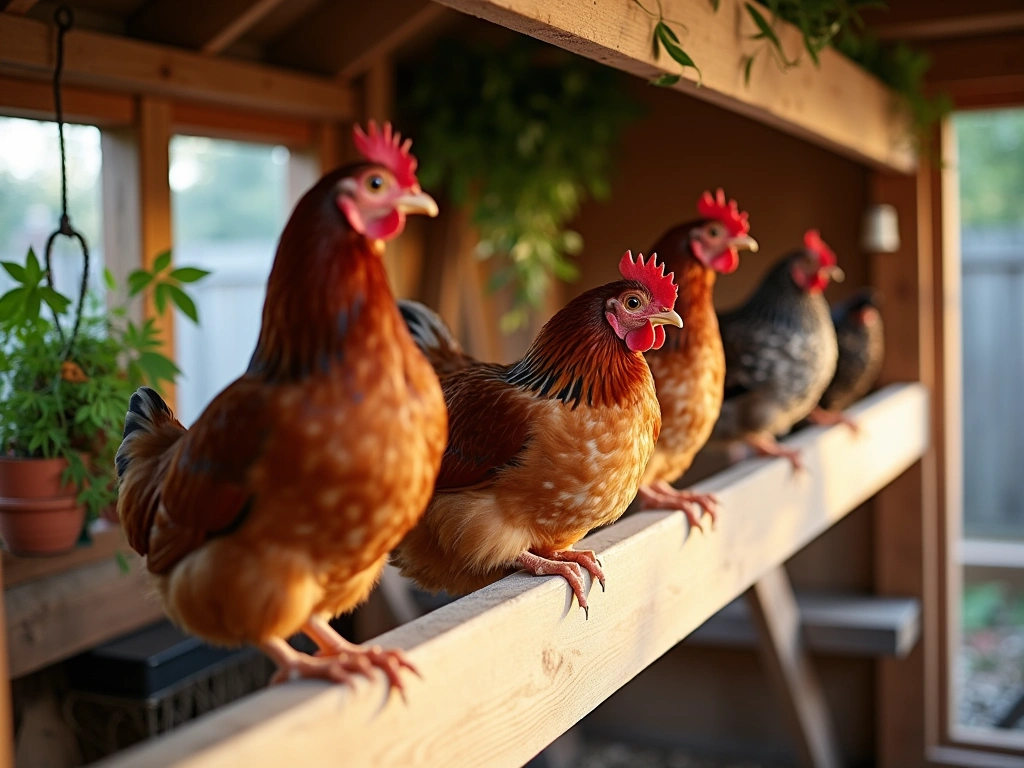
x=837, y=104
x=20, y=7
x=952, y=26
x=346, y=38
x=115, y=63
x=197, y=24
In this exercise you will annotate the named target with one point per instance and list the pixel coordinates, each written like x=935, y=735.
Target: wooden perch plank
x=346, y=38
x=52, y=619
x=837, y=105
x=98, y=60
x=106, y=543
x=510, y=668
x=199, y=24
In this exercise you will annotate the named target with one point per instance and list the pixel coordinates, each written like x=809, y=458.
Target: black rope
x=64, y=20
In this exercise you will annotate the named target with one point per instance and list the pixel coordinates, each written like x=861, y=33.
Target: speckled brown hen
x=547, y=449
x=780, y=351
x=689, y=370
x=277, y=508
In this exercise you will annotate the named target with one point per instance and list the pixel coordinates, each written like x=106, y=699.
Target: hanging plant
x=521, y=136
x=823, y=23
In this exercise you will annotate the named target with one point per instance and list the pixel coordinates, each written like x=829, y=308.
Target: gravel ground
x=990, y=675
x=626, y=756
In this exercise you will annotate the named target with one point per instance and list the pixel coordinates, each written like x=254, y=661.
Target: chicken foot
x=569, y=564
x=661, y=495
x=767, y=445
x=336, y=661
x=824, y=418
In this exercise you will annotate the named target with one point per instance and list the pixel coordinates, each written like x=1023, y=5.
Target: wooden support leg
x=788, y=664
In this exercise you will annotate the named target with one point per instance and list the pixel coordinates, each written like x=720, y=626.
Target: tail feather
x=435, y=340
x=150, y=433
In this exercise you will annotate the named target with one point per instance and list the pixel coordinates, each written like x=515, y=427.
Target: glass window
x=30, y=198
x=230, y=202
x=989, y=675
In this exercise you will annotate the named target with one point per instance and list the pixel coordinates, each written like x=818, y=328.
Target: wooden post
x=154, y=136
x=6, y=713
x=906, y=511
x=789, y=666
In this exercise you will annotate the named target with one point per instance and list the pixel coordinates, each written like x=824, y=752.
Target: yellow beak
x=744, y=241
x=418, y=202
x=836, y=275
x=668, y=317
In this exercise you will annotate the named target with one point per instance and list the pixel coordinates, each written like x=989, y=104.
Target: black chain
x=64, y=20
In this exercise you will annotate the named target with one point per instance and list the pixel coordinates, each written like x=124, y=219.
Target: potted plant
x=63, y=396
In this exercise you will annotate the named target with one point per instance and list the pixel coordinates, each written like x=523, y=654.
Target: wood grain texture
x=34, y=99
x=199, y=24
x=837, y=105
x=117, y=63
x=105, y=544
x=241, y=125
x=54, y=618
x=510, y=668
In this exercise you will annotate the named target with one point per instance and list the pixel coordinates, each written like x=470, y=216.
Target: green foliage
x=990, y=145
x=664, y=36
x=521, y=136
x=49, y=411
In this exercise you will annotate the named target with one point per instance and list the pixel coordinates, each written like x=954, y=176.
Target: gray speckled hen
x=860, y=334
x=780, y=351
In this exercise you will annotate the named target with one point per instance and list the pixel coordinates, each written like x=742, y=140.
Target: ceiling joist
x=346, y=38
x=197, y=24
x=19, y=7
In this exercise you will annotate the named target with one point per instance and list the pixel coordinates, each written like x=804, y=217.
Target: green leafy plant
x=57, y=402
x=519, y=136
x=823, y=23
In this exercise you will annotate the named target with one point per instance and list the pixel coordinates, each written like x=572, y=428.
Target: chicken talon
x=568, y=569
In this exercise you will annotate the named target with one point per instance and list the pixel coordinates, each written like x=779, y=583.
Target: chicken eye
x=632, y=303
x=714, y=231
x=375, y=182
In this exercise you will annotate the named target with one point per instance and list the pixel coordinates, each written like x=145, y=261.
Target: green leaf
x=746, y=70
x=108, y=279
x=160, y=297
x=12, y=302
x=665, y=81
x=137, y=281
x=762, y=24
x=668, y=39
x=162, y=262
x=58, y=302
x=715, y=4
x=14, y=270
x=32, y=267
x=662, y=29
x=122, y=563
x=184, y=303
x=157, y=367
x=188, y=274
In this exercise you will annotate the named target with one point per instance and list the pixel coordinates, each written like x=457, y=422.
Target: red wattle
x=727, y=261
x=641, y=339
x=659, y=336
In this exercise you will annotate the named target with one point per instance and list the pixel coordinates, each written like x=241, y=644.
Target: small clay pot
x=39, y=515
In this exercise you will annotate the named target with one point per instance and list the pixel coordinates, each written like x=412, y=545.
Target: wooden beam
x=966, y=25
x=19, y=7
x=837, y=105
x=199, y=24
x=104, y=546
x=34, y=99
x=345, y=39
x=54, y=618
x=6, y=712
x=154, y=136
x=240, y=125
x=785, y=658
x=508, y=669
x=117, y=63
x=984, y=71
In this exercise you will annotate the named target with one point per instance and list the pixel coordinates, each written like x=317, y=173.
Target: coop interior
x=195, y=127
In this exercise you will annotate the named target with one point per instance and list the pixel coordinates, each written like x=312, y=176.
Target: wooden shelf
x=837, y=105
x=508, y=669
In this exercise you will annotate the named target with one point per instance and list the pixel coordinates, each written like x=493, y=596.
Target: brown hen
x=277, y=508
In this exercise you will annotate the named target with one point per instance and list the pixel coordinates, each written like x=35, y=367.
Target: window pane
x=989, y=674
x=229, y=203
x=30, y=198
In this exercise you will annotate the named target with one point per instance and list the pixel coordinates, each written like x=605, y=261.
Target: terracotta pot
x=39, y=515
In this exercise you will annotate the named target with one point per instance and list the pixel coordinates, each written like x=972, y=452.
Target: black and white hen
x=860, y=333
x=780, y=351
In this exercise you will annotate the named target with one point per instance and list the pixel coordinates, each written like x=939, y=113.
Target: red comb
x=813, y=242
x=387, y=149
x=728, y=213
x=652, y=276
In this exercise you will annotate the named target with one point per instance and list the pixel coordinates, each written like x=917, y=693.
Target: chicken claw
x=567, y=563
x=766, y=445
x=824, y=418
x=661, y=495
